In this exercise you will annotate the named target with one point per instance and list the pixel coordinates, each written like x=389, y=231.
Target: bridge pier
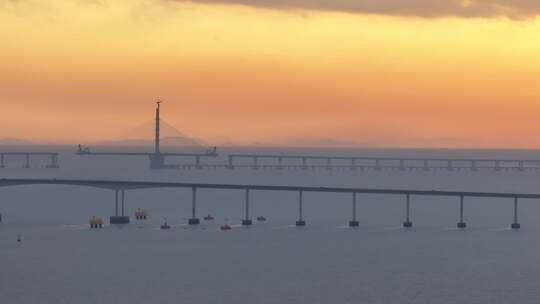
x=27, y=163
x=246, y=221
x=450, y=166
x=255, y=163
x=2, y=161
x=515, y=224
x=461, y=224
x=300, y=222
x=157, y=161
x=304, y=163
x=328, y=164
x=473, y=166
x=280, y=163
x=198, y=162
x=401, y=165
x=54, y=162
x=117, y=218
x=230, y=163
x=377, y=165
x=353, y=164
x=194, y=220
x=408, y=223
x=426, y=165
x=354, y=222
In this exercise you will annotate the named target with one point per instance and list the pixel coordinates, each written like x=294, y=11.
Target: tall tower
x=156, y=150
x=157, y=160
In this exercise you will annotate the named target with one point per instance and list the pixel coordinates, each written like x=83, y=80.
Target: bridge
x=53, y=156
x=119, y=187
x=277, y=161
x=157, y=158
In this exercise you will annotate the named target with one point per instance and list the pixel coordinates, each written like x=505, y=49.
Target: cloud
x=516, y=9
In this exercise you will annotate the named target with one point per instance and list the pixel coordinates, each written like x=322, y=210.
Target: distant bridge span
x=120, y=186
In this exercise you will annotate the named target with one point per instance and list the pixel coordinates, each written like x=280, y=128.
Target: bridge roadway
x=379, y=163
x=53, y=158
x=157, y=159
x=122, y=186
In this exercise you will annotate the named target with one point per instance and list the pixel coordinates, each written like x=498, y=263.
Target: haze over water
x=60, y=260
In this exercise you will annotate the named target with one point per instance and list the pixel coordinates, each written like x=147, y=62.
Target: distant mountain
x=167, y=141
x=321, y=142
x=147, y=131
x=144, y=135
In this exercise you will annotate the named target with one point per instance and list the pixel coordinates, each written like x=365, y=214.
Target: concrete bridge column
x=54, y=162
x=2, y=161
x=450, y=165
x=116, y=218
x=353, y=164
x=354, y=222
x=328, y=164
x=193, y=220
x=497, y=166
x=300, y=222
x=255, y=163
x=426, y=165
x=230, y=164
x=123, y=196
x=401, y=165
x=304, y=163
x=280, y=163
x=378, y=164
x=246, y=221
x=198, y=162
x=520, y=166
x=461, y=224
x=408, y=223
x=473, y=165
x=27, y=164
x=515, y=224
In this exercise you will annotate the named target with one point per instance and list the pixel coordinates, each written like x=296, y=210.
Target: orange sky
x=83, y=71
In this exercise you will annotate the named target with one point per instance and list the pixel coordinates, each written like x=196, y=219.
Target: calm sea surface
x=60, y=260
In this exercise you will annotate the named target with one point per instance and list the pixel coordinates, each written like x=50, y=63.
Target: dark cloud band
x=420, y=8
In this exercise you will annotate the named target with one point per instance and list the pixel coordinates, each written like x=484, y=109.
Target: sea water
x=61, y=260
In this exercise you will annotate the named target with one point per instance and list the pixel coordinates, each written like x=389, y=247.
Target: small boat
x=261, y=219
x=19, y=238
x=209, y=217
x=225, y=227
x=165, y=225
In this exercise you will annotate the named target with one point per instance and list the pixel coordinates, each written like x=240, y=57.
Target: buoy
x=18, y=238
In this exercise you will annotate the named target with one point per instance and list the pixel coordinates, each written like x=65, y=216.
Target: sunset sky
x=418, y=73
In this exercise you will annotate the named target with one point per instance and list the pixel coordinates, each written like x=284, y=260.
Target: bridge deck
x=127, y=185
